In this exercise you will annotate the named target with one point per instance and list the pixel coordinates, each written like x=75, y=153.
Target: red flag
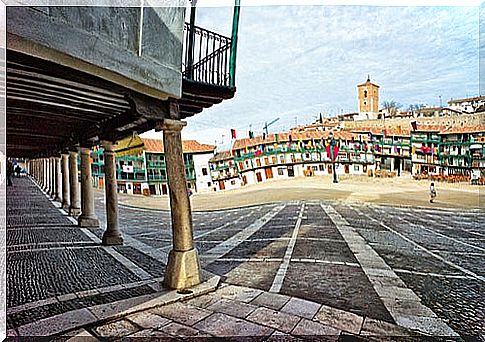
x=233, y=133
x=328, y=151
x=335, y=152
x=415, y=125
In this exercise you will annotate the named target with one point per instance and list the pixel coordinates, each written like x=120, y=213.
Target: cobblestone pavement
x=53, y=266
x=423, y=269
x=419, y=268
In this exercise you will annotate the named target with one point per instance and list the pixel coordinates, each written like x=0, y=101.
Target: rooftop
x=188, y=146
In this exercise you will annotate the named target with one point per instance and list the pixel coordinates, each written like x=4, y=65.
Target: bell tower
x=368, y=94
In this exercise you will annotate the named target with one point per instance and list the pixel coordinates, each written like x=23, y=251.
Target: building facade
x=287, y=155
x=141, y=166
x=426, y=150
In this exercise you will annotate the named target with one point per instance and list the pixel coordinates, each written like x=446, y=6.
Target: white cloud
x=302, y=60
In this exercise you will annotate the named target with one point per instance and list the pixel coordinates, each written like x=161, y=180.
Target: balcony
x=208, y=69
x=156, y=165
x=209, y=62
x=157, y=178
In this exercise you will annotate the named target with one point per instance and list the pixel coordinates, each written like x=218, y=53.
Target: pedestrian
x=9, y=172
x=432, y=193
x=189, y=192
x=17, y=170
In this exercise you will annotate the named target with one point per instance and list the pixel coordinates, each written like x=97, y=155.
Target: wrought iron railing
x=209, y=60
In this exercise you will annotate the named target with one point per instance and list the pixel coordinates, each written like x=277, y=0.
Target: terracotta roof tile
x=465, y=129
x=295, y=136
x=188, y=146
x=223, y=155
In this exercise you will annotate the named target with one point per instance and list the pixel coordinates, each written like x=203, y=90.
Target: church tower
x=368, y=93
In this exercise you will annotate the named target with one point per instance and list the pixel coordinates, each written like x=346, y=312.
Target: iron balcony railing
x=209, y=60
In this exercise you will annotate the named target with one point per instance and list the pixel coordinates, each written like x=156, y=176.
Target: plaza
x=320, y=267
x=134, y=217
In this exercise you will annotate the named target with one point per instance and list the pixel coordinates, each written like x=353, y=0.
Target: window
x=233, y=182
x=365, y=94
x=314, y=168
x=209, y=184
x=321, y=167
x=204, y=171
x=356, y=168
x=281, y=171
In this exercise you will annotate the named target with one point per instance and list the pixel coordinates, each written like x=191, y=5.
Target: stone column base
x=57, y=199
x=92, y=222
x=112, y=240
x=183, y=270
x=74, y=211
x=65, y=206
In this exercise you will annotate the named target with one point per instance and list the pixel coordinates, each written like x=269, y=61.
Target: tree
x=415, y=108
x=391, y=107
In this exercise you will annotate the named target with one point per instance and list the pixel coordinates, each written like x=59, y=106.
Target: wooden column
x=75, y=203
x=183, y=269
x=88, y=216
x=112, y=235
x=52, y=171
x=66, y=201
x=58, y=193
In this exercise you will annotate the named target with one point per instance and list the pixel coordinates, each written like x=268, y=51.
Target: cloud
x=303, y=60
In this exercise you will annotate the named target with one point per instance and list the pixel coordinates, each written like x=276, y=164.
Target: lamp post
x=332, y=143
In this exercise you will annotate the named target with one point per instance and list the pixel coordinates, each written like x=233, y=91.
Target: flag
x=233, y=133
x=289, y=138
x=327, y=147
x=276, y=137
x=335, y=152
x=370, y=136
x=414, y=125
x=264, y=136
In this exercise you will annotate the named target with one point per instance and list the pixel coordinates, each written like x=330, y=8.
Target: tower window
x=365, y=103
x=365, y=93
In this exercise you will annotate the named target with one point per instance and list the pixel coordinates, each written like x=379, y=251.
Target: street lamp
x=332, y=143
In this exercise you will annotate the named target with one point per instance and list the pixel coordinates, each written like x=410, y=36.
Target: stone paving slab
x=217, y=320
x=274, y=319
x=270, y=300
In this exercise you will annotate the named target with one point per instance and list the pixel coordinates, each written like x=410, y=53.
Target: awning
x=132, y=145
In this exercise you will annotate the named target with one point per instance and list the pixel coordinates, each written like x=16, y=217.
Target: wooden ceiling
x=51, y=107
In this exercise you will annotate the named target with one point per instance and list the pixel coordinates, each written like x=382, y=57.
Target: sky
x=294, y=62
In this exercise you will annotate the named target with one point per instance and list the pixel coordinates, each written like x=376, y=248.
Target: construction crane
x=266, y=125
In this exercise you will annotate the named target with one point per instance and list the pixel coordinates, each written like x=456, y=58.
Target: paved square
x=385, y=264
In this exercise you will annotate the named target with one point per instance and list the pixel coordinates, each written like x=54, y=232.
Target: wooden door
x=221, y=185
x=269, y=173
x=258, y=177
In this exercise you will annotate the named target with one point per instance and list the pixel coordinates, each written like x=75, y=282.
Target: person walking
x=18, y=169
x=432, y=193
x=9, y=172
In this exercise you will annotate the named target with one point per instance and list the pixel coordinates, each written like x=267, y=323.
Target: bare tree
x=391, y=107
x=415, y=108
